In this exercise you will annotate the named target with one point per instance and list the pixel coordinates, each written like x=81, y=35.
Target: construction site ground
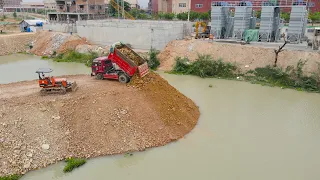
x=102, y=117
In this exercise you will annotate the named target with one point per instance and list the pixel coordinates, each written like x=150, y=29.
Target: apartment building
x=50, y=4
x=177, y=6
x=81, y=6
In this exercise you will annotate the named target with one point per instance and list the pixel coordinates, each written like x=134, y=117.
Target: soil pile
x=247, y=57
x=101, y=117
x=49, y=43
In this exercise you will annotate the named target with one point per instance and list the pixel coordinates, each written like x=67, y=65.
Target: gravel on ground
x=102, y=117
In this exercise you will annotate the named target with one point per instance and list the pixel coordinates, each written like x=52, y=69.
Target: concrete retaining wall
x=60, y=27
x=140, y=34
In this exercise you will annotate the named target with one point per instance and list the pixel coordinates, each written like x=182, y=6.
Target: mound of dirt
x=247, y=57
x=102, y=117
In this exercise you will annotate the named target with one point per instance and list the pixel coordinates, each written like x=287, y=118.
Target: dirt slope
x=239, y=54
x=13, y=43
x=101, y=117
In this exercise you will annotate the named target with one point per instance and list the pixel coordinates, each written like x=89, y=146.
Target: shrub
x=153, y=61
x=291, y=77
x=10, y=177
x=182, y=16
x=73, y=163
x=73, y=56
x=15, y=15
x=205, y=66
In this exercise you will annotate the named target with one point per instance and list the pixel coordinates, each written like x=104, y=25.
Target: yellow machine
x=204, y=28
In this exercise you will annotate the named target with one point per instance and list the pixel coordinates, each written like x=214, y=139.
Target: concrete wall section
x=140, y=34
x=60, y=27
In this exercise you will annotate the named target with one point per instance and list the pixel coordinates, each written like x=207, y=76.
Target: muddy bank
x=247, y=57
x=13, y=43
x=50, y=43
x=100, y=118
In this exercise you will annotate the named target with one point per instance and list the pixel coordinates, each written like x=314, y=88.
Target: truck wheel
x=123, y=78
x=99, y=76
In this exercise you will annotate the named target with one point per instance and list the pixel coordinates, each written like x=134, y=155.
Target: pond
x=245, y=132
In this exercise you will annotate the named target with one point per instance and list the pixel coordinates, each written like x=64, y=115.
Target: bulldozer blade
x=74, y=86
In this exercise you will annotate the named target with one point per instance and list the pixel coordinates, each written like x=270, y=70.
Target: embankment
x=13, y=43
x=246, y=57
x=102, y=117
x=49, y=43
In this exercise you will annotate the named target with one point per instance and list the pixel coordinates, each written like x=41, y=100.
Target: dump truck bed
x=128, y=60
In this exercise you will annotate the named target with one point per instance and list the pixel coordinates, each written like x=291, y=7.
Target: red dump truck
x=121, y=64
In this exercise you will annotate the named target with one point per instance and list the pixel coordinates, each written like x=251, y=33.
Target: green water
x=245, y=132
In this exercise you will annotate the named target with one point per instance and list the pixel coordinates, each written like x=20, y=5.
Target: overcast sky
x=143, y=3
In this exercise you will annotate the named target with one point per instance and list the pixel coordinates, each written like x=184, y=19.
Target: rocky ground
x=102, y=117
x=13, y=43
x=247, y=57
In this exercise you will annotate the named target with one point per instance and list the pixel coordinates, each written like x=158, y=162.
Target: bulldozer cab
x=43, y=79
x=42, y=71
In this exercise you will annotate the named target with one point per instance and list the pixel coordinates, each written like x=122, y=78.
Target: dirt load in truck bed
x=102, y=117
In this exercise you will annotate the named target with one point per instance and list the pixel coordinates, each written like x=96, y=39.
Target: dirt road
x=101, y=117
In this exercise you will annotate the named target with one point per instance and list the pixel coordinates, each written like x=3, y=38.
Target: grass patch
x=73, y=163
x=10, y=177
x=45, y=57
x=205, y=66
x=73, y=56
x=291, y=77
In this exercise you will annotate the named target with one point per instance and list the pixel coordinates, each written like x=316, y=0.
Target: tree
x=314, y=17
x=182, y=16
x=114, y=12
x=15, y=15
x=277, y=51
x=204, y=16
x=258, y=14
x=285, y=16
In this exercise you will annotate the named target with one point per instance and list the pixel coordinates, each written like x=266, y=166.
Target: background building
x=50, y=4
x=177, y=6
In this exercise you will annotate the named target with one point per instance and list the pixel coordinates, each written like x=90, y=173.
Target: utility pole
x=1, y=6
x=123, y=9
x=118, y=9
x=189, y=10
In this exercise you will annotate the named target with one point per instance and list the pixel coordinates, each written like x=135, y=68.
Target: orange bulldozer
x=54, y=85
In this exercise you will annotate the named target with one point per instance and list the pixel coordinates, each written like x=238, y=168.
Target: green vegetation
x=113, y=12
x=205, y=66
x=285, y=16
x=290, y=77
x=139, y=14
x=73, y=56
x=73, y=163
x=11, y=177
x=314, y=17
x=166, y=16
x=258, y=14
x=14, y=15
x=153, y=61
x=193, y=16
